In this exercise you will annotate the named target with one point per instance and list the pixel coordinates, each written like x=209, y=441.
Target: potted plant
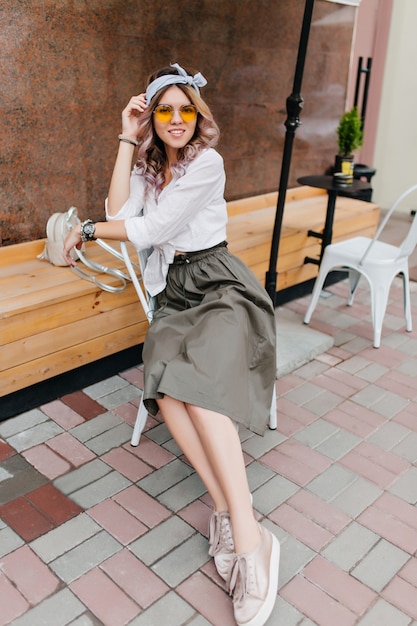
x=349, y=139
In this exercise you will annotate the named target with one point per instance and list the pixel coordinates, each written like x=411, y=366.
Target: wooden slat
x=40, y=319
x=61, y=337
x=34, y=371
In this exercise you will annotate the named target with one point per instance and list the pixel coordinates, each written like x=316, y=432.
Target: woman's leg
x=183, y=431
x=223, y=451
x=211, y=443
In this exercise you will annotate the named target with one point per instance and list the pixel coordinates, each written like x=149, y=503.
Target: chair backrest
x=145, y=300
x=410, y=241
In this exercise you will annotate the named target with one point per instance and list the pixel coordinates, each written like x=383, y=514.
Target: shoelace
x=238, y=582
x=220, y=536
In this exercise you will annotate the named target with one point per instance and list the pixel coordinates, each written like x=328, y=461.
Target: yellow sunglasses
x=165, y=112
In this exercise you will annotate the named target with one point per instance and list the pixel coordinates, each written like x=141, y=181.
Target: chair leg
x=354, y=278
x=379, y=301
x=407, y=303
x=318, y=285
x=273, y=412
x=141, y=418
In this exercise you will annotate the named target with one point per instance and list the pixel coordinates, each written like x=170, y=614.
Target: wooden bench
x=52, y=321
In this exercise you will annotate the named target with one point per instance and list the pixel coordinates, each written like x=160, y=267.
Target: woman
x=209, y=355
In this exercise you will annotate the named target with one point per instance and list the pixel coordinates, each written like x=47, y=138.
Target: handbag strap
x=99, y=283
x=103, y=269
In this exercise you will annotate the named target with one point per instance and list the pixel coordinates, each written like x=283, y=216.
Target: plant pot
x=344, y=164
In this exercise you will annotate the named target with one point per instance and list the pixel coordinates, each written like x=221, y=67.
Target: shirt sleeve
x=134, y=204
x=201, y=185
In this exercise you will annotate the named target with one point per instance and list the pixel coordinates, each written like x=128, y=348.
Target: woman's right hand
x=130, y=115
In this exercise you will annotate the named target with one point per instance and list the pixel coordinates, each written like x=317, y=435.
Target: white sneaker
x=253, y=581
x=221, y=542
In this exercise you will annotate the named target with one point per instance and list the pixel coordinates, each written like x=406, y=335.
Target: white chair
x=147, y=305
x=378, y=262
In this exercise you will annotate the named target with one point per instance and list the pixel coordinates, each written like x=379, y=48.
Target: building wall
x=395, y=154
x=70, y=66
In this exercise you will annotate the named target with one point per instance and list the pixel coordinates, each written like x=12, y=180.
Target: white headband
x=182, y=78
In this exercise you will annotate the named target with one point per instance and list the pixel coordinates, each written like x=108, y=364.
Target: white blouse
x=190, y=214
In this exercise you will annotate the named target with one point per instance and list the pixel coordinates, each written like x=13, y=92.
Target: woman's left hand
x=73, y=240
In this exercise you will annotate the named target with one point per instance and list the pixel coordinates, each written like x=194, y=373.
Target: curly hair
x=151, y=159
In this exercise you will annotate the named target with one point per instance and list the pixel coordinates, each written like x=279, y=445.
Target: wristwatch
x=87, y=230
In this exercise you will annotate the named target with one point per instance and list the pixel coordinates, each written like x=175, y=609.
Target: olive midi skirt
x=212, y=339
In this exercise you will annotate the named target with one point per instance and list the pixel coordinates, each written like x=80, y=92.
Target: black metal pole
x=294, y=106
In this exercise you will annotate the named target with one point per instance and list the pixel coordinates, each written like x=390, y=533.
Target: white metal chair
x=378, y=262
x=147, y=305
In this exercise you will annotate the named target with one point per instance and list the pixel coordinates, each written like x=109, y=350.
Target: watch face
x=89, y=229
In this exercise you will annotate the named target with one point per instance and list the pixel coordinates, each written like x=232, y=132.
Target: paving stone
x=320, y=405
x=390, y=405
x=170, y=610
x=161, y=540
x=35, y=435
x=338, y=444
x=21, y=423
x=9, y=541
x=162, y=479
x=171, y=447
x=316, y=433
x=121, y=396
x=409, y=368
x=287, y=614
x=389, y=435
x=101, y=489
x=106, y=387
x=84, y=620
x=381, y=564
x=407, y=448
x=409, y=346
x=62, y=539
x=97, y=426
x=183, y=560
x=350, y=547
x=405, y=486
x=258, y=475
x=354, y=364
x=312, y=369
x=57, y=610
x=83, y=557
x=331, y=482
x=18, y=478
x=357, y=497
x=273, y=493
x=369, y=396
x=199, y=620
x=110, y=439
x=304, y=393
x=294, y=557
x=384, y=614
x=183, y=493
x=372, y=372
x=105, y=599
x=82, y=476
x=257, y=446
x=160, y=434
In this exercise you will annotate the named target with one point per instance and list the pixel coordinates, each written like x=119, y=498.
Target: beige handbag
x=58, y=227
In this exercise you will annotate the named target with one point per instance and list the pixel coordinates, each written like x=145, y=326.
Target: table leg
x=326, y=236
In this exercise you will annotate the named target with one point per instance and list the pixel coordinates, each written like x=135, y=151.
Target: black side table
x=326, y=182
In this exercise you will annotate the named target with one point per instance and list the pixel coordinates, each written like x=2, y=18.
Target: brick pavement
x=93, y=531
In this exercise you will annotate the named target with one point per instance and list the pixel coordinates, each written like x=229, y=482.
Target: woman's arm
x=119, y=190
x=114, y=230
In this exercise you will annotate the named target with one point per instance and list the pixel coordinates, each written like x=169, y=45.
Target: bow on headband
x=182, y=78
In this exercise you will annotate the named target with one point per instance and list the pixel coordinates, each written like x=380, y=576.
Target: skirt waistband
x=190, y=257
